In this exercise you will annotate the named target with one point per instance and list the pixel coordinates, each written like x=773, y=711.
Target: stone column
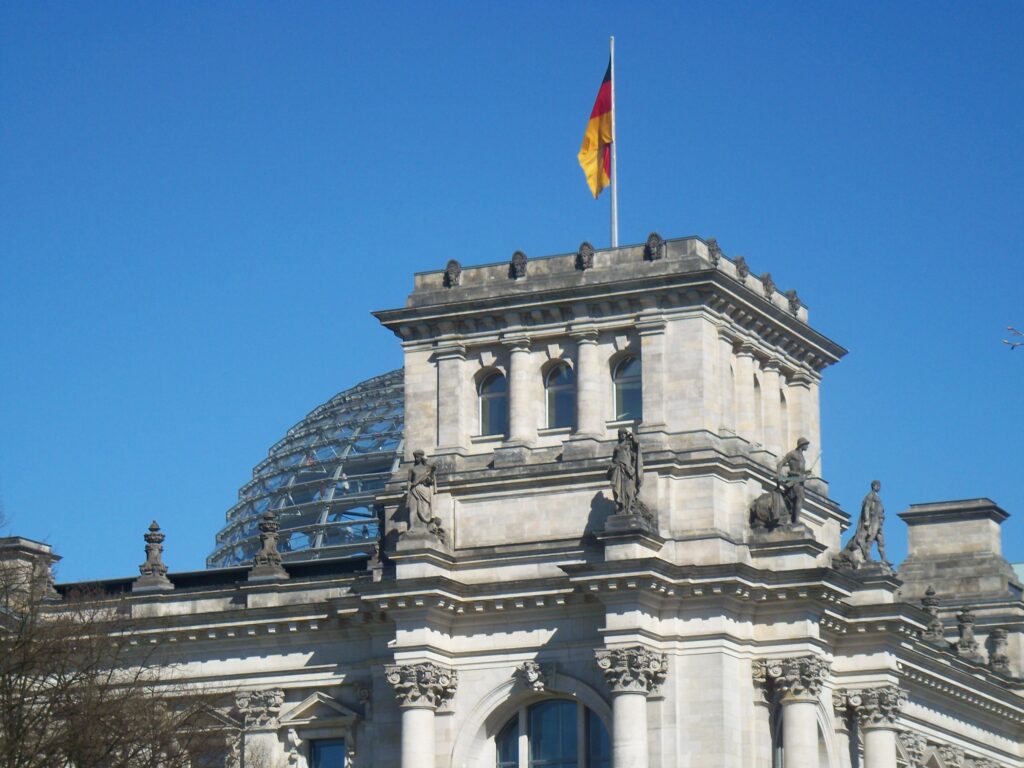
x=745, y=421
x=798, y=391
x=652, y=360
x=522, y=421
x=451, y=431
x=420, y=689
x=813, y=432
x=799, y=682
x=632, y=674
x=727, y=380
x=773, y=430
x=589, y=418
x=841, y=713
x=878, y=709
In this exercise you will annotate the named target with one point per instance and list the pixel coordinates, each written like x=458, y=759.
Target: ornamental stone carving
x=153, y=572
x=914, y=746
x=267, y=562
x=517, y=267
x=999, y=659
x=534, y=675
x=794, y=301
x=952, y=757
x=636, y=669
x=259, y=709
x=654, y=248
x=422, y=685
x=967, y=645
x=585, y=256
x=742, y=268
x=880, y=707
x=768, y=285
x=936, y=632
x=452, y=274
x=798, y=677
x=714, y=251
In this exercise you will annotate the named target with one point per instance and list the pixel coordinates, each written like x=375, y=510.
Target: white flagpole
x=615, y=164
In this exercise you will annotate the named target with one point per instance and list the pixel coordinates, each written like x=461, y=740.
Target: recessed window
x=628, y=392
x=493, y=391
x=558, y=734
x=560, y=389
x=327, y=753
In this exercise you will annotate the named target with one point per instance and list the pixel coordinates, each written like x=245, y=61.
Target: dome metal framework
x=320, y=479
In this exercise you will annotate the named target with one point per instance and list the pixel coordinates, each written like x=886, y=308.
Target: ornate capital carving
x=535, y=675
x=951, y=756
x=880, y=707
x=259, y=709
x=633, y=670
x=422, y=685
x=798, y=677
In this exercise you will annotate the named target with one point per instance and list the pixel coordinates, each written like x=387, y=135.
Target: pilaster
x=632, y=673
x=522, y=418
x=452, y=430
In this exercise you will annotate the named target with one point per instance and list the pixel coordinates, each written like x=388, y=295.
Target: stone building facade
x=520, y=611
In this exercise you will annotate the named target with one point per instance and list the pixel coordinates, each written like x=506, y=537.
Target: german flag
x=596, y=153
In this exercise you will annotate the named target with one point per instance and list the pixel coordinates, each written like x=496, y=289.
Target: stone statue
x=419, y=496
x=869, y=531
x=626, y=473
x=791, y=474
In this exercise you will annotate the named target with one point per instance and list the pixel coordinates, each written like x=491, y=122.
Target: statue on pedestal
x=782, y=504
x=419, y=497
x=626, y=474
x=857, y=552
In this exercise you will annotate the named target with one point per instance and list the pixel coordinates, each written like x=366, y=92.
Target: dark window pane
x=628, y=392
x=561, y=396
x=599, y=746
x=493, y=405
x=508, y=745
x=552, y=734
x=328, y=753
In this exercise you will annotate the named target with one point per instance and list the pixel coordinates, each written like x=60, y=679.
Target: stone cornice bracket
x=535, y=675
x=635, y=669
x=422, y=685
x=798, y=677
x=879, y=707
x=259, y=709
x=651, y=325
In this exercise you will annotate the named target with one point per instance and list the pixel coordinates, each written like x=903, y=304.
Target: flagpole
x=615, y=164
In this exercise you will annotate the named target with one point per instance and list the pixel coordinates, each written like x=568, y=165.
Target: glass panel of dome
x=350, y=514
x=294, y=541
x=274, y=482
x=261, y=505
x=366, y=445
x=389, y=444
x=325, y=452
x=339, y=433
x=291, y=459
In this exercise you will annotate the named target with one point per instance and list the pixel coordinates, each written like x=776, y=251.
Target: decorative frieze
x=879, y=707
x=422, y=685
x=798, y=677
x=952, y=757
x=915, y=746
x=259, y=709
x=636, y=669
x=535, y=675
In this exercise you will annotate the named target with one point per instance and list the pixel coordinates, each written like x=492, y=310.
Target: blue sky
x=201, y=203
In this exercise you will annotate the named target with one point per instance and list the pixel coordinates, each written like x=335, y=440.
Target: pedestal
x=784, y=548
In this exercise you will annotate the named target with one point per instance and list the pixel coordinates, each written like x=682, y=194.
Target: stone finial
x=422, y=685
x=795, y=677
x=794, y=301
x=714, y=251
x=517, y=267
x=636, y=669
x=967, y=645
x=535, y=675
x=654, y=248
x=914, y=747
x=153, y=572
x=880, y=707
x=585, y=256
x=259, y=709
x=267, y=562
x=999, y=659
x=452, y=274
x=768, y=285
x=936, y=632
x=742, y=268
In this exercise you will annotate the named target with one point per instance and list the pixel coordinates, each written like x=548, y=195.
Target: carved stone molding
x=259, y=709
x=880, y=707
x=636, y=669
x=654, y=248
x=798, y=677
x=422, y=685
x=952, y=756
x=585, y=256
x=914, y=746
x=535, y=675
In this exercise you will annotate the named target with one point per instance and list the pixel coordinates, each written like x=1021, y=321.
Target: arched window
x=558, y=734
x=783, y=421
x=628, y=394
x=560, y=391
x=493, y=391
x=758, y=413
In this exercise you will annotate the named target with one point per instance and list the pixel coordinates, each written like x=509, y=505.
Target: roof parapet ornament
x=742, y=268
x=517, y=267
x=585, y=256
x=267, y=563
x=714, y=251
x=794, y=301
x=967, y=645
x=936, y=632
x=452, y=274
x=153, y=572
x=999, y=659
x=768, y=284
x=654, y=248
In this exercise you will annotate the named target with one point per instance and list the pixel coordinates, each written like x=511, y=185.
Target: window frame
x=551, y=391
x=638, y=379
x=484, y=378
x=518, y=727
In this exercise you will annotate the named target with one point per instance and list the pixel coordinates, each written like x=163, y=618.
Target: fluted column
x=632, y=674
x=771, y=407
x=522, y=420
x=451, y=431
x=878, y=710
x=652, y=360
x=589, y=416
x=799, y=682
x=745, y=422
x=420, y=689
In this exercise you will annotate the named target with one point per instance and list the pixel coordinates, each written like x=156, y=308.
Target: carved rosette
x=585, y=256
x=798, y=677
x=534, y=675
x=633, y=670
x=654, y=248
x=914, y=746
x=259, y=709
x=422, y=685
x=881, y=707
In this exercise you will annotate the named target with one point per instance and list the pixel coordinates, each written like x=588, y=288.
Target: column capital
x=636, y=669
x=801, y=379
x=725, y=333
x=796, y=678
x=583, y=335
x=425, y=685
x=878, y=707
x=772, y=364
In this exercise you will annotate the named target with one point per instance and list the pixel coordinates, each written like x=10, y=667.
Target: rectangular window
x=327, y=753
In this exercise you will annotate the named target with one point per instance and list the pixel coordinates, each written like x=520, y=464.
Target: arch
x=496, y=708
x=492, y=397
x=627, y=387
x=559, y=395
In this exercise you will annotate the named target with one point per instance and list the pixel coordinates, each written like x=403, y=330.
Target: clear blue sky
x=201, y=203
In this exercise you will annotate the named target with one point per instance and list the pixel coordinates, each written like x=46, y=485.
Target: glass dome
x=320, y=479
